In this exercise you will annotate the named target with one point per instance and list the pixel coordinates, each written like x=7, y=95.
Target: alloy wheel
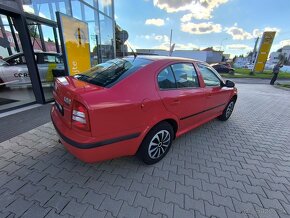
x=159, y=144
x=230, y=109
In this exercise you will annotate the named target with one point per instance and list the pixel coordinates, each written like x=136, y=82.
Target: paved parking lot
x=238, y=168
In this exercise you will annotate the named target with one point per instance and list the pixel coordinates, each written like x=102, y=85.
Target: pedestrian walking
x=275, y=72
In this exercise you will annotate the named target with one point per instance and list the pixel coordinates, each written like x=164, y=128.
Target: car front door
x=16, y=72
x=181, y=94
x=217, y=94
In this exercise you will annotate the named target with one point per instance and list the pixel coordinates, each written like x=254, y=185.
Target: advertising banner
x=263, y=53
x=74, y=37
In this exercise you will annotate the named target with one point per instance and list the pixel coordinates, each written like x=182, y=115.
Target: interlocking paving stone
x=19, y=206
x=36, y=211
x=228, y=169
x=129, y=211
x=164, y=208
x=93, y=213
x=74, y=209
x=111, y=205
x=57, y=202
x=127, y=196
x=145, y=202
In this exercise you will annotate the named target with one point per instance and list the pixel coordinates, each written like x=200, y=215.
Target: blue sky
x=229, y=25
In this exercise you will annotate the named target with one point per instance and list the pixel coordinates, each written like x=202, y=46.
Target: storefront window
x=91, y=17
x=46, y=56
x=15, y=83
x=107, y=39
x=91, y=2
x=105, y=6
x=77, y=10
x=47, y=9
x=49, y=38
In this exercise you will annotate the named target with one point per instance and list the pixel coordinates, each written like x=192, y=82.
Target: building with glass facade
x=30, y=48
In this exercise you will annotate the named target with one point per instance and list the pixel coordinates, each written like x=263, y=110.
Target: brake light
x=80, y=116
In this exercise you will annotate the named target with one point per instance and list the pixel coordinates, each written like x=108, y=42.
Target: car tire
x=228, y=110
x=156, y=143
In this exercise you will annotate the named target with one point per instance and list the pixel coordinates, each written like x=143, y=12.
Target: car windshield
x=111, y=72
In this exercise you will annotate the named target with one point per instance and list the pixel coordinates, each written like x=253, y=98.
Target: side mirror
x=229, y=84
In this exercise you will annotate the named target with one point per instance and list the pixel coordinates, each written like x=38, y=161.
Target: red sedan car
x=137, y=105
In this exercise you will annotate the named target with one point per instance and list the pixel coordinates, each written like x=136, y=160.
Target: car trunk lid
x=68, y=90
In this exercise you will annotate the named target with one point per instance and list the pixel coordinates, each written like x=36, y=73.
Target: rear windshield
x=111, y=72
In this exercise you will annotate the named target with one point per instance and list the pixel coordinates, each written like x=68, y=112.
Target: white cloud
x=156, y=22
x=187, y=46
x=257, y=33
x=201, y=28
x=147, y=36
x=198, y=9
x=178, y=46
x=238, y=47
x=277, y=30
x=186, y=18
x=153, y=36
x=238, y=33
x=162, y=38
x=284, y=42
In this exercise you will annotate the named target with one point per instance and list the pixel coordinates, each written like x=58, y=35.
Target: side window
x=185, y=75
x=210, y=79
x=49, y=59
x=166, y=79
x=17, y=60
x=58, y=59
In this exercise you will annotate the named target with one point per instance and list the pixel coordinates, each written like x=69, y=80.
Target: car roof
x=169, y=58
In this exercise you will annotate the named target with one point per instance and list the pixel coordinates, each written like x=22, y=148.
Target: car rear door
x=181, y=94
x=217, y=95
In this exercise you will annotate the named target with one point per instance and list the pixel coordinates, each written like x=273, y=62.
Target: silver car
x=14, y=71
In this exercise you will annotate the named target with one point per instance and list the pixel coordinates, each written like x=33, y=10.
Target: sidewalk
x=24, y=121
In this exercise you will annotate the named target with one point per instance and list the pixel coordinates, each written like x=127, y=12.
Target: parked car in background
x=226, y=64
x=221, y=68
x=137, y=105
x=14, y=71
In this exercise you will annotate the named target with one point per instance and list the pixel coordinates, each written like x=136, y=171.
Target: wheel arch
x=170, y=121
x=235, y=97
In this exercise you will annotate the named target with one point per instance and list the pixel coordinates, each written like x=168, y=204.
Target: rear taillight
x=80, y=116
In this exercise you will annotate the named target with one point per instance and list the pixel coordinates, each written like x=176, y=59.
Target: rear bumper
x=89, y=149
